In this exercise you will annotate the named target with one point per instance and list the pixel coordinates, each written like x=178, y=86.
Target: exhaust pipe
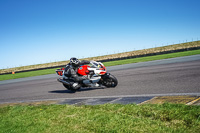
x=63, y=81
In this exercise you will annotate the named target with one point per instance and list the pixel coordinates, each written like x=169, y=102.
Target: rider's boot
x=89, y=83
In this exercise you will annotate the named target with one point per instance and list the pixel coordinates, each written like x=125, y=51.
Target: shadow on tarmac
x=68, y=91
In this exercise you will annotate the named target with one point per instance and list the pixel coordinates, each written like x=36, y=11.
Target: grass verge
x=27, y=74
x=100, y=118
x=111, y=63
x=151, y=58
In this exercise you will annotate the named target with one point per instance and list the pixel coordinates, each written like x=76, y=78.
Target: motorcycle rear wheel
x=70, y=88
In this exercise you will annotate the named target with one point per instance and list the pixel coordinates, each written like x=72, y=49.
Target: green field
x=111, y=63
x=107, y=118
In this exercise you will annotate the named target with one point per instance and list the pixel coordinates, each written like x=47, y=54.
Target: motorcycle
x=96, y=73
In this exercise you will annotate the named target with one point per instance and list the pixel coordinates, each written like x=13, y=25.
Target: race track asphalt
x=177, y=76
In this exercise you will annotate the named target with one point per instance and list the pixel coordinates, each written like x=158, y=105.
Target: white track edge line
x=118, y=96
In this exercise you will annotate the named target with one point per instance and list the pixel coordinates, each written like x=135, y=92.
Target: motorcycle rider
x=71, y=72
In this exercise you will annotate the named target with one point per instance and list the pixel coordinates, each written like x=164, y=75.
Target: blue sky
x=40, y=31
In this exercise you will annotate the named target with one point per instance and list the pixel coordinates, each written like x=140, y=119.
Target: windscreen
x=95, y=65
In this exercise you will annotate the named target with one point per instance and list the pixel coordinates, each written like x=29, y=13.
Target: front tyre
x=110, y=81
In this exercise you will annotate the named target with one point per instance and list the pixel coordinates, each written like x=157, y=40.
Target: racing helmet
x=74, y=61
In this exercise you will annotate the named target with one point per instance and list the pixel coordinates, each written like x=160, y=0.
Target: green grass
x=27, y=74
x=108, y=118
x=151, y=58
x=111, y=63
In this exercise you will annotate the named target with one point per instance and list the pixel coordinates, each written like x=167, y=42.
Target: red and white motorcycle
x=95, y=71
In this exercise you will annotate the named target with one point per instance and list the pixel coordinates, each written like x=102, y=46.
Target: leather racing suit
x=71, y=72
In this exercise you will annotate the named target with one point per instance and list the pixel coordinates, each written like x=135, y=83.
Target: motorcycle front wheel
x=110, y=81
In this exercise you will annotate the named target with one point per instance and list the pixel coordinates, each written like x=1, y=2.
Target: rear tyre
x=110, y=81
x=71, y=88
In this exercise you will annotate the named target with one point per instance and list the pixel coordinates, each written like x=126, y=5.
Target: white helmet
x=74, y=61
